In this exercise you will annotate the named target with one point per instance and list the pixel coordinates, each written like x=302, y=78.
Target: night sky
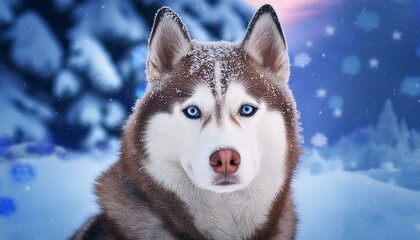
x=349, y=59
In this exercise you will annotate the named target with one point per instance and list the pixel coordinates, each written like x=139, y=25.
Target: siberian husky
x=210, y=150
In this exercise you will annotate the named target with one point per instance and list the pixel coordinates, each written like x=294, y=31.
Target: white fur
x=179, y=150
x=217, y=72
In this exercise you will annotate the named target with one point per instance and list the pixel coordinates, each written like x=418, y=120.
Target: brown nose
x=225, y=161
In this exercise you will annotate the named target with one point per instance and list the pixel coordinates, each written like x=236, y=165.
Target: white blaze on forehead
x=224, y=59
x=217, y=79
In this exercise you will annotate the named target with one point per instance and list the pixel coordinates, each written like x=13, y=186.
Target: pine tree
x=387, y=129
x=84, y=61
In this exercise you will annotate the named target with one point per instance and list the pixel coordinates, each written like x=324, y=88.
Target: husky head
x=216, y=115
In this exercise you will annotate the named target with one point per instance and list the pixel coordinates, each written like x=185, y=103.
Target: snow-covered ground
x=344, y=205
x=337, y=204
x=49, y=196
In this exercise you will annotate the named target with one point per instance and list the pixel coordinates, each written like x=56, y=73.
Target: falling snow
x=367, y=20
x=410, y=86
x=351, y=65
x=338, y=112
x=335, y=102
x=329, y=30
x=319, y=140
x=373, y=62
x=361, y=51
x=321, y=93
x=302, y=60
x=396, y=35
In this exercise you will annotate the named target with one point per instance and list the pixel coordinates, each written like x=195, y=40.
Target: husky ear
x=265, y=42
x=168, y=43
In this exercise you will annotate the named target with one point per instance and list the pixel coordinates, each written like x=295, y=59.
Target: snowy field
x=49, y=196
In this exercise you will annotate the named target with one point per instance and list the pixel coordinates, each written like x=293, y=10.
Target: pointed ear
x=168, y=43
x=265, y=43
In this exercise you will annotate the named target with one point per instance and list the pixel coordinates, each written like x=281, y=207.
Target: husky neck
x=225, y=215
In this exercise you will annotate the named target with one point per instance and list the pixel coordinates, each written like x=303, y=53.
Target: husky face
x=216, y=115
x=203, y=124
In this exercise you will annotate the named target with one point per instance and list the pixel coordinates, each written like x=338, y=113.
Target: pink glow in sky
x=292, y=11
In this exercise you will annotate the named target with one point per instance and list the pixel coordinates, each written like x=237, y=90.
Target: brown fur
x=136, y=206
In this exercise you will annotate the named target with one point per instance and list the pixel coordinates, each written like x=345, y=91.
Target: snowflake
x=351, y=65
x=319, y=140
x=22, y=172
x=309, y=44
x=367, y=20
x=329, y=30
x=396, y=35
x=338, y=113
x=302, y=60
x=7, y=206
x=335, y=102
x=321, y=93
x=373, y=62
x=410, y=86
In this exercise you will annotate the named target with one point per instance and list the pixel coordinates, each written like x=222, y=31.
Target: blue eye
x=247, y=110
x=192, y=112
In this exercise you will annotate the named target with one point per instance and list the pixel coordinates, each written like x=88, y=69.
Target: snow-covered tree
x=389, y=143
x=80, y=64
x=387, y=129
